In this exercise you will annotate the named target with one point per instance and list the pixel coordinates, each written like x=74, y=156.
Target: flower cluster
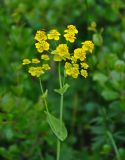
x=74, y=62
x=36, y=69
x=70, y=33
x=42, y=44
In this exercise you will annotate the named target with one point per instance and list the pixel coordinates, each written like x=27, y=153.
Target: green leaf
x=100, y=77
x=120, y=65
x=109, y=94
x=57, y=127
x=63, y=89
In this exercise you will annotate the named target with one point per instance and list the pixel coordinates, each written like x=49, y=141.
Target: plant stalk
x=61, y=112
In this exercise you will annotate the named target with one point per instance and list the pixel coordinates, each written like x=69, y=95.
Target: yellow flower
x=71, y=29
x=84, y=73
x=79, y=53
x=88, y=46
x=45, y=67
x=54, y=34
x=26, y=61
x=72, y=70
x=42, y=46
x=70, y=37
x=75, y=72
x=68, y=68
x=35, y=60
x=45, y=57
x=84, y=65
x=36, y=71
x=40, y=36
x=75, y=63
x=61, y=52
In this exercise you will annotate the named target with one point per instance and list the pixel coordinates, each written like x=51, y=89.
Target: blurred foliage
x=93, y=106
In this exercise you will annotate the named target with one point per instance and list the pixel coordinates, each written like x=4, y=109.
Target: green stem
x=45, y=102
x=58, y=149
x=61, y=112
x=60, y=79
x=114, y=145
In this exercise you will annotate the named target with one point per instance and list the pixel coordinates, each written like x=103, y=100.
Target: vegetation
x=94, y=108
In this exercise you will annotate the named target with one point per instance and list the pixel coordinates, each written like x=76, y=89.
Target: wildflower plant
x=74, y=65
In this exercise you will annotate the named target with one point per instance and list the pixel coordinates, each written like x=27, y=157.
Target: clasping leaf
x=57, y=126
x=63, y=89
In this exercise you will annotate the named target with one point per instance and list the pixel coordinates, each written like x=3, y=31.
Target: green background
x=92, y=107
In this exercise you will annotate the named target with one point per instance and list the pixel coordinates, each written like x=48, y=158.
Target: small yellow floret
x=72, y=70
x=84, y=65
x=26, y=61
x=70, y=37
x=61, y=52
x=75, y=72
x=40, y=36
x=71, y=29
x=79, y=53
x=84, y=73
x=45, y=57
x=88, y=46
x=54, y=34
x=45, y=67
x=68, y=68
x=36, y=71
x=42, y=46
x=35, y=60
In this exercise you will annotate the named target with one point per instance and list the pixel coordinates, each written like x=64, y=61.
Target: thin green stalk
x=58, y=149
x=60, y=78
x=45, y=102
x=61, y=112
x=114, y=145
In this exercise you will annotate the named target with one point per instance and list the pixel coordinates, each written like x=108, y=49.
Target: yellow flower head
x=61, y=52
x=79, y=53
x=70, y=37
x=40, y=36
x=36, y=71
x=35, y=60
x=26, y=61
x=42, y=46
x=88, y=46
x=84, y=65
x=45, y=57
x=71, y=29
x=62, y=49
x=84, y=73
x=45, y=67
x=68, y=68
x=75, y=72
x=72, y=70
x=54, y=34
